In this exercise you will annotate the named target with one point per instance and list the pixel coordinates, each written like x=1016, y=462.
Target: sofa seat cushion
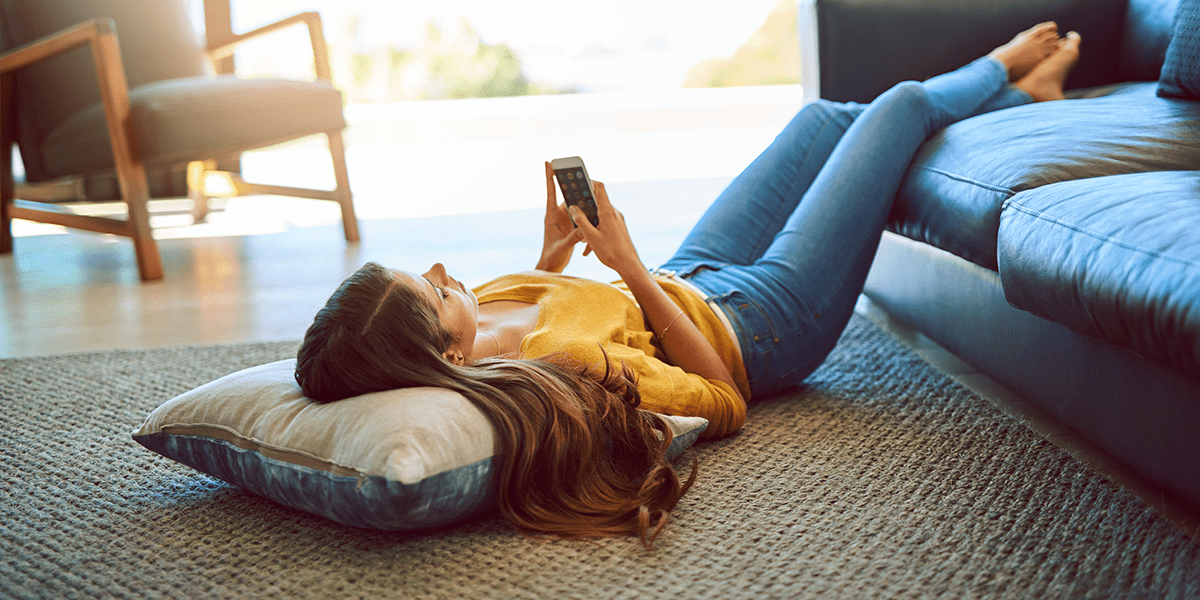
x=1116, y=258
x=953, y=193
x=195, y=118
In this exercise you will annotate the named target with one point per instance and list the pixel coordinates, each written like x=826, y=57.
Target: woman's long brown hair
x=575, y=458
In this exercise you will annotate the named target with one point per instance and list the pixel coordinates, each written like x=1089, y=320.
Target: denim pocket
x=772, y=361
x=758, y=334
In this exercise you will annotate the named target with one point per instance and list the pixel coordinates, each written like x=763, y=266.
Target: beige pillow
x=400, y=460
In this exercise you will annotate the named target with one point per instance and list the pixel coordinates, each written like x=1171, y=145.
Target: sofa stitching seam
x=987, y=186
x=1100, y=236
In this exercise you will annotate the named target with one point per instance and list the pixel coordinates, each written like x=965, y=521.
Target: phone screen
x=577, y=191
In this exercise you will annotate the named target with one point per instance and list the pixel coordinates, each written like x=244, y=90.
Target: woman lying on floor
x=751, y=303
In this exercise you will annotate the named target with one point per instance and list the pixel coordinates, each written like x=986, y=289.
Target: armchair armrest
x=84, y=33
x=315, y=33
x=100, y=35
x=867, y=46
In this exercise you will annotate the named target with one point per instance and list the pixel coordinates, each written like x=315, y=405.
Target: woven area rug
x=881, y=477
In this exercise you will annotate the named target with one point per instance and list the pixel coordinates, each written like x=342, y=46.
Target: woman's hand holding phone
x=568, y=224
x=686, y=347
x=610, y=242
x=560, y=235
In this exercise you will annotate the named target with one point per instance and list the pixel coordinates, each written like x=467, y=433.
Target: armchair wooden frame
x=220, y=49
x=101, y=37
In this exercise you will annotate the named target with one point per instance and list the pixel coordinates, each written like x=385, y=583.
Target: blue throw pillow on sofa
x=1180, y=76
x=404, y=460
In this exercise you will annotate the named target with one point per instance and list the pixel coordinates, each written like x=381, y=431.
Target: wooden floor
x=75, y=291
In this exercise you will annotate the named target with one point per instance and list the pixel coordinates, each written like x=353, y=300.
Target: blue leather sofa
x=1054, y=246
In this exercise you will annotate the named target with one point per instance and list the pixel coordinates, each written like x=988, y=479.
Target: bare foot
x=1027, y=49
x=1045, y=81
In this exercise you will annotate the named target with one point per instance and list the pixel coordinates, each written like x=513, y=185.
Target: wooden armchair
x=78, y=103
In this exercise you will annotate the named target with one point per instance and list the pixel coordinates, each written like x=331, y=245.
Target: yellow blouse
x=580, y=317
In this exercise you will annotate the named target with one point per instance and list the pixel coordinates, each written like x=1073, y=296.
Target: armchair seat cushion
x=1116, y=258
x=195, y=118
x=953, y=193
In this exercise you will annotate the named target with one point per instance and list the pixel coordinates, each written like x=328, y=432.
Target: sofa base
x=1143, y=415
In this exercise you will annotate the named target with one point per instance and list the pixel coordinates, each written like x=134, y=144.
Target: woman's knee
x=829, y=110
x=909, y=92
x=817, y=120
x=910, y=99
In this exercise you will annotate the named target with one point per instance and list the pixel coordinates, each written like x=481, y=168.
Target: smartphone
x=576, y=186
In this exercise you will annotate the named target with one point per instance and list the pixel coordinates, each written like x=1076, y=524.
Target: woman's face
x=454, y=302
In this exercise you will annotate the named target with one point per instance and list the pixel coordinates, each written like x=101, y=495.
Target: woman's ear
x=455, y=357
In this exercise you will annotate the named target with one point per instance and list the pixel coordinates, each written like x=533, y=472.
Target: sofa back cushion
x=1180, y=77
x=867, y=46
x=1144, y=41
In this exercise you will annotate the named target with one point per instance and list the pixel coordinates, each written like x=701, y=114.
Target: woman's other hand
x=560, y=236
x=610, y=241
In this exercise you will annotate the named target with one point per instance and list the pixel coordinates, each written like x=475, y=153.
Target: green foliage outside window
x=458, y=64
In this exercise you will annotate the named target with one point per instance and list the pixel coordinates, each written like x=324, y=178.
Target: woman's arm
x=683, y=343
x=559, y=235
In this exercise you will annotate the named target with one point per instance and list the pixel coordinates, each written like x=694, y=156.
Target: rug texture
x=880, y=477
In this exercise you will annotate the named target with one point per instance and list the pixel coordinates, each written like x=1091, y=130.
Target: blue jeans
x=784, y=251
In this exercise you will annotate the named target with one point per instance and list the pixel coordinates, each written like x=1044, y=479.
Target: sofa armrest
x=867, y=46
